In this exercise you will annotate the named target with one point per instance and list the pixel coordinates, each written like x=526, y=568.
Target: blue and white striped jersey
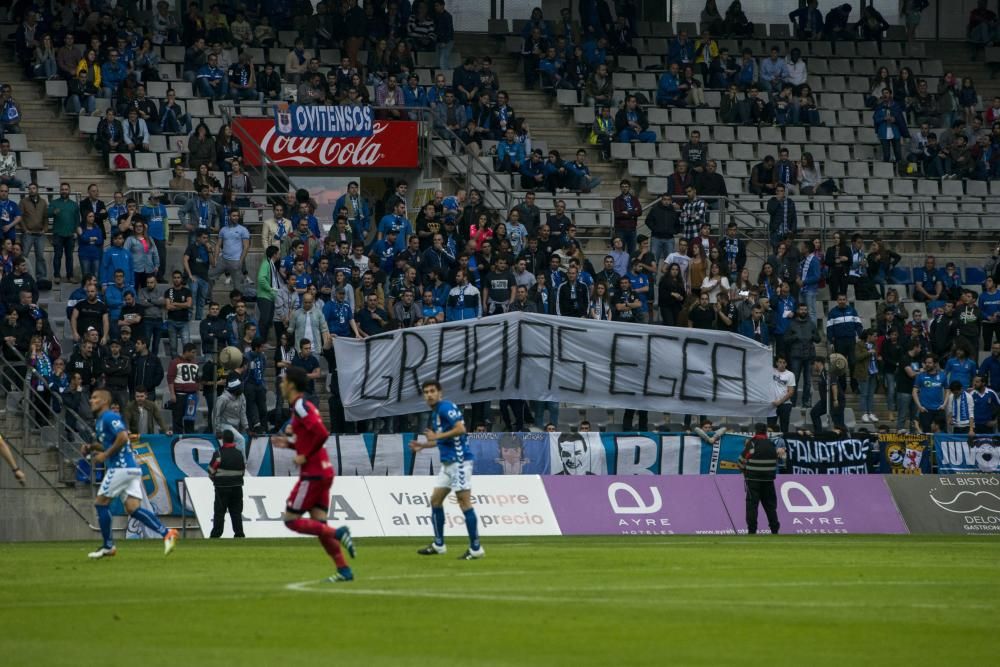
x=109, y=425
x=443, y=418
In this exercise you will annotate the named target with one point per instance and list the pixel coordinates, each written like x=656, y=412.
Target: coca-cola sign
x=392, y=145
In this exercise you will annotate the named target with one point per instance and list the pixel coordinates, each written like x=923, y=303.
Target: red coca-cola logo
x=393, y=144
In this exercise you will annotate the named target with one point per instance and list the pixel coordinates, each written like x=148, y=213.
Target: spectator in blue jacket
x=681, y=51
x=668, y=90
x=114, y=297
x=155, y=215
x=747, y=71
x=533, y=171
x=579, y=174
x=843, y=326
x=773, y=72
x=756, y=328
x=784, y=311
x=808, y=279
x=356, y=208
x=808, y=21
x=890, y=127
x=397, y=222
x=114, y=258
x=989, y=370
x=989, y=308
x=91, y=245
x=595, y=52
x=553, y=70
x=631, y=123
x=212, y=81
x=510, y=153
x=113, y=73
x=413, y=93
x=960, y=368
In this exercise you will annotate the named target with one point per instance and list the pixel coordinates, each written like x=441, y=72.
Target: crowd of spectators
x=458, y=259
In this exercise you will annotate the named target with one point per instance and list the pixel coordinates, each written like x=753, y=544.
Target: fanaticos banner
x=390, y=145
x=548, y=358
x=830, y=455
x=299, y=120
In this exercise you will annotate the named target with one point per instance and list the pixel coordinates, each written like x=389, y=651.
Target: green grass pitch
x=795, y=600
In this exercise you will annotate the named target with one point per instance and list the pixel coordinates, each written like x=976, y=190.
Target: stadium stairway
x=549, y=129
x=955, y=58
x=44, y=509
x=64, y=151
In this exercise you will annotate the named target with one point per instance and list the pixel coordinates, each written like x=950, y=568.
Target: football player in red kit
x=311, y=493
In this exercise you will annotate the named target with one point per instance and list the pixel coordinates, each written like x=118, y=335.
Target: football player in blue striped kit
x=122, y=477
x=447, y=433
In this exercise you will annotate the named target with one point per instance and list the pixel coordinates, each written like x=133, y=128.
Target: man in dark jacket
x=86, y=363
x=783, y=219
x=118, y=373
x=759, y=463
x=214, y=333
x=801, y=338
x=227, y=468
x=147, y=370
x=711, y=185
x=663, y=220
x=572, y=296
x=944, y=330
x=627, y=210
x=13, y=283
x=631, y=123
x=808, y=21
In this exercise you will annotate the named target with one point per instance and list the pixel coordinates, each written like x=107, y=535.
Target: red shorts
x=311, y=493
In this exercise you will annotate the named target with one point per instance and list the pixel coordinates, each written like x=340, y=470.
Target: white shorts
x=455, y=476
x=122, y=481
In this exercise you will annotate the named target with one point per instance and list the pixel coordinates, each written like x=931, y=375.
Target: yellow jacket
x=713, y=50
x=82, y=67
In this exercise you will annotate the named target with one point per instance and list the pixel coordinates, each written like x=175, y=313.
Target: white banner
x=505, y=506
x=549, y=358
x=388, y=506
x=264, y=500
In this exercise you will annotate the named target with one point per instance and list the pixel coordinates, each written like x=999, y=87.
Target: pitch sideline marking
x=346, y=589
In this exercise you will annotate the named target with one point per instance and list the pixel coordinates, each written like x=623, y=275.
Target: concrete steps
x=55, y=136
x=955, y=57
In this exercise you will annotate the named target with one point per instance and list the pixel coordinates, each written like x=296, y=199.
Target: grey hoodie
x=230, y=411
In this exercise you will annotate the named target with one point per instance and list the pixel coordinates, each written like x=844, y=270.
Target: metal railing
x=69, y=429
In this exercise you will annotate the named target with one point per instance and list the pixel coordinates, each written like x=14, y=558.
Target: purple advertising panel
x=820, y=504
x=637, y=505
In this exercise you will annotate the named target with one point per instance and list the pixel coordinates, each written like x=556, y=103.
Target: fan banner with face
x=560, y=359
x=956, y=453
